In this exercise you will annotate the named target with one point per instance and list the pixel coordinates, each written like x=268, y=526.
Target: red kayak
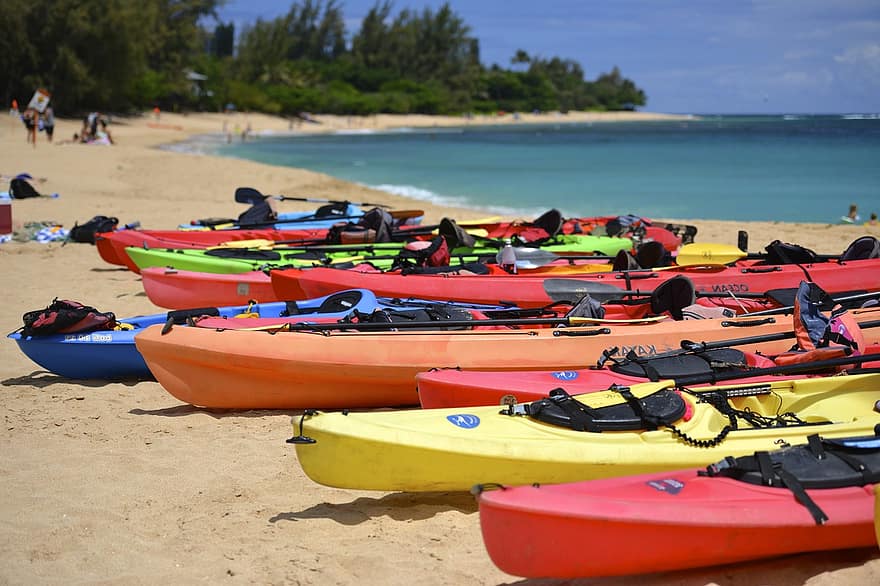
x=175, y=289
x=529, y=291
x=458, y=388
x=732, y=511
x=111, y=245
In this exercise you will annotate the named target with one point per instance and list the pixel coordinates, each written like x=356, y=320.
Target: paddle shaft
x=313, y=200
x=371, y=326
x=787, y=308
x=698, y=346
x=252, y=196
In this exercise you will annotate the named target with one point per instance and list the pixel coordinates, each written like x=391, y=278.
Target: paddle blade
x=525, y=258
x=708, y=254
x=248, y=195
x=574, y=289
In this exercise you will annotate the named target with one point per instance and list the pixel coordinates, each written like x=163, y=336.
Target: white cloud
x=867, y=55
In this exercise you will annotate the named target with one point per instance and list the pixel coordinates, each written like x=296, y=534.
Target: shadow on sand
x=399, y=506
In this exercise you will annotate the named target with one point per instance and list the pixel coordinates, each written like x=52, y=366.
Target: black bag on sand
x=86, y=232
x=21, y=189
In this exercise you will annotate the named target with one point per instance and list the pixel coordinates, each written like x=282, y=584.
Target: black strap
x=648, y=421
x=765, y=467
x=816, y=447
x=792, y=484
x=581, y=416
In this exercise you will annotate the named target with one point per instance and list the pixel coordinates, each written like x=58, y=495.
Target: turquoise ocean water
x=785, y=168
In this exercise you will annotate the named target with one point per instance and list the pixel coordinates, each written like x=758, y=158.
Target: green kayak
x=230, y=260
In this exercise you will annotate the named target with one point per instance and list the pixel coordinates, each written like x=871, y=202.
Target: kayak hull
x=111, y=245
x=112, y=354
x=439, y=389
x=659, y=522
x=175, y=289
x=298, y=370
x=540, y=290
x=454, y=449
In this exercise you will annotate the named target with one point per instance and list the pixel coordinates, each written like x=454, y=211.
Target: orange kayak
x=235, y=369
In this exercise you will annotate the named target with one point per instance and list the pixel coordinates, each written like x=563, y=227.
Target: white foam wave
x=420, y=194
x=201, y=144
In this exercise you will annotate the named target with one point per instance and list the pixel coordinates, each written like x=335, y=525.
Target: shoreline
x=118, y=482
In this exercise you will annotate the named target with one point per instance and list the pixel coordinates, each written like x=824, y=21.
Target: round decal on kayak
x=668, y=485
x=565, y=374
x=464, y=420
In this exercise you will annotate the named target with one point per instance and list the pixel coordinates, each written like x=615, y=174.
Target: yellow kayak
x=454, y=449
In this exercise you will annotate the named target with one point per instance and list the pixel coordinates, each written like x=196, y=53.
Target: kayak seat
x=476, y=268
x=550, y=222
x=686, y=364
x=648, y=256
x=342, y=301
x=818, y=464
x=439, y=313
x=560, y=408
x=455, y=235
x=337, y=208
x=783, y=253
x=863, y=248
x=624, y=261
x=181, y=316
x=673, y=295
x=652, y=254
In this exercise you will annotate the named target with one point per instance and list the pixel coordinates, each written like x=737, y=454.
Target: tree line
x=126, y=55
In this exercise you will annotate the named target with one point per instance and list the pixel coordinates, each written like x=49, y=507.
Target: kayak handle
x=567, y=332
x=748, y=324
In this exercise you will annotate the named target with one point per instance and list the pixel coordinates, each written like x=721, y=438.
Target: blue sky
x=698, y=56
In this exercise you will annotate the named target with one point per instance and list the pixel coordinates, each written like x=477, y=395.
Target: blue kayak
x=112, y=354
x=313, y=220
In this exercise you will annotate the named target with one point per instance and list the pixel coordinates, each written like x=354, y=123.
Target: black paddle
x=385, y=326
x=571, y=289
x=252, y=196
x=688, y=346
x=842, y=300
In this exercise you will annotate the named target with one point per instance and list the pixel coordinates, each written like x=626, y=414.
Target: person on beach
x=873, y=220
x=31, y=120
x=49, y=122
x=853, y=214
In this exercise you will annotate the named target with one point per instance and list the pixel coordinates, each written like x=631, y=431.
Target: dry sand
x=120, y=483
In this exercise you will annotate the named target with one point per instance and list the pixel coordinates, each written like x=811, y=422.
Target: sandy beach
x=120, y=483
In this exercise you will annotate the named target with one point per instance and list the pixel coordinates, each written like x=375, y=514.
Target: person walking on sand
x=31, y=120
x=873, y=221
x=49, y=122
